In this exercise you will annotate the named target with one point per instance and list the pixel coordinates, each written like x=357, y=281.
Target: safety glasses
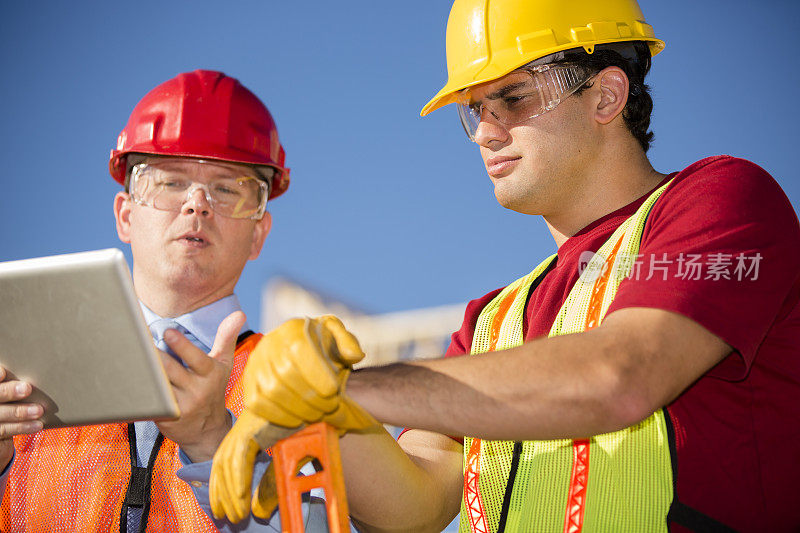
x=529, y=92
x=168, y=183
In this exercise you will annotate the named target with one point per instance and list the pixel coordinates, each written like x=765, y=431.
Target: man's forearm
x=515, y=394
x=573, y=386
x=414, y=488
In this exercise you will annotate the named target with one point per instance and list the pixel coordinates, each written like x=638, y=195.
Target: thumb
x=349, y=351
x=265, y=499
x=225, y=341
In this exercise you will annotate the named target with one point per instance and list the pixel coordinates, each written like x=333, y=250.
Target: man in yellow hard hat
x=644, y=377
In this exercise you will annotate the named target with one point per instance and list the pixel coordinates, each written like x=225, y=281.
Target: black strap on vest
x=679, y=513
x=138, y=493
x=533, y=286
x=512, y=474
x=241, y=338
x=692, y=519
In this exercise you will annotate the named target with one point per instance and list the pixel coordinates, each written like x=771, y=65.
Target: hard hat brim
x=447, y=94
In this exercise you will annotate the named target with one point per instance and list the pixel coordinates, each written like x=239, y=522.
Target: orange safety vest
x=75, y=479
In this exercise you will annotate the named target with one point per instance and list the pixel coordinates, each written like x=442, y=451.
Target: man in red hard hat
x=199, y=158
x=646, y=377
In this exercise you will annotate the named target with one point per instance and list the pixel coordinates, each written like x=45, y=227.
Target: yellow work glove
x=295, y=376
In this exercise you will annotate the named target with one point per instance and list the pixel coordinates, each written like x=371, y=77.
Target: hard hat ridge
x=487, y=39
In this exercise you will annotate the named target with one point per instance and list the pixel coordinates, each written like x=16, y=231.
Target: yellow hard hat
x=487, y=39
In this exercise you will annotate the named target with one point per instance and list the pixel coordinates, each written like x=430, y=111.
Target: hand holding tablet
x=72, y=328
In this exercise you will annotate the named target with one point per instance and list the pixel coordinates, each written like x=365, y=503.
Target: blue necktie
x=158, y=328
x=146, y=430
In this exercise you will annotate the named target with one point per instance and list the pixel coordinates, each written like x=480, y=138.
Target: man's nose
x=490, y=129
x=197, y=202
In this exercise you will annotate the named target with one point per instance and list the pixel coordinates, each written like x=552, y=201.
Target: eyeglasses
x=530, y=92
x=168, y=183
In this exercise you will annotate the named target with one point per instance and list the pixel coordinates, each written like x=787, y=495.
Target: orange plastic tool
x=321, y=442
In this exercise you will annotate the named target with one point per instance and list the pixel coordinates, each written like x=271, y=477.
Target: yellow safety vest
x=620, y=481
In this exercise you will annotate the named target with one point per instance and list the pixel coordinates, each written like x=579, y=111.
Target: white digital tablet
x=71, y=326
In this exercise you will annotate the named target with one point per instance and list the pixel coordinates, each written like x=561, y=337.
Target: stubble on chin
x=186, y=274
x=192, y=270
x=526, y=199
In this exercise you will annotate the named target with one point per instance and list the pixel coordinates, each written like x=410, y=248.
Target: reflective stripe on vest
x=75, y=479
x=620, y=481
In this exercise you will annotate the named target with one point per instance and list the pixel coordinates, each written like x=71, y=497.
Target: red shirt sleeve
x=722, y=247
x=461, y=340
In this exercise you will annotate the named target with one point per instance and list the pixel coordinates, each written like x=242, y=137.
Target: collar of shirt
x=202, y=322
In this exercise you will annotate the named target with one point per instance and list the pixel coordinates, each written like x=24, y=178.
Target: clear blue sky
x=386, y=210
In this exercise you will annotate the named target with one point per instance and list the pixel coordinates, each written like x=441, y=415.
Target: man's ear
x=259, y=234
x=122, y=214
x=613, y=85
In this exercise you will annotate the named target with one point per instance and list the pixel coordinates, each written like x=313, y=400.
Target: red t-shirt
x=726, y=222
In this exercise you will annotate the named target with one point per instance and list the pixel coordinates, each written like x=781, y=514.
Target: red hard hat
x=203, y=114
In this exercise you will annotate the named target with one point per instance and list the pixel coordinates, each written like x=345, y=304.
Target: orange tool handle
x=318, y=441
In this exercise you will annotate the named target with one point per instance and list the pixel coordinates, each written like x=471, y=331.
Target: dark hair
x=634, y=59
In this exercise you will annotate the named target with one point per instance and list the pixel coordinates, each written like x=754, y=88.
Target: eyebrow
x=235, y=173
x=503, y=91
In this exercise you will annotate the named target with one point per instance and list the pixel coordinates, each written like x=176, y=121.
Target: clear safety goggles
x=167, y=184
x=529, y=92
